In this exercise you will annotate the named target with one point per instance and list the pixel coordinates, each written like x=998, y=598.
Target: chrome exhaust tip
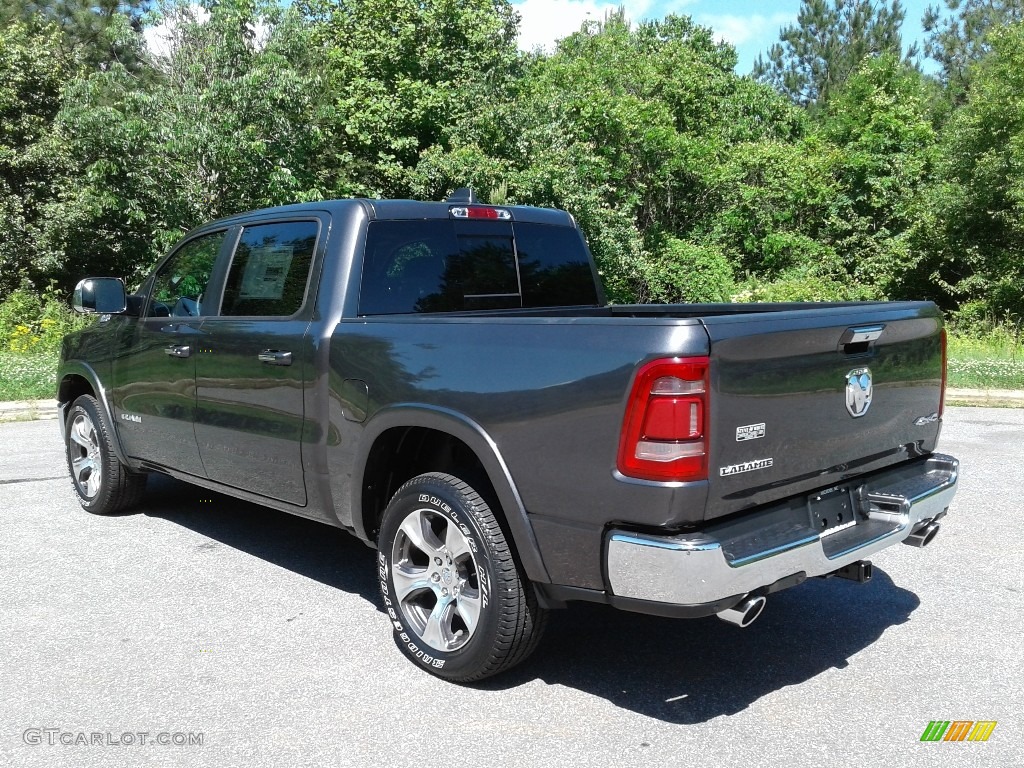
x=744, y=613
x=923, y=537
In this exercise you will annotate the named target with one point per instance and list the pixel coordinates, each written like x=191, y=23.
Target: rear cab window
x=442, y=265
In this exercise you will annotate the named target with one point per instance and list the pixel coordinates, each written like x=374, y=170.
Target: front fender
x=85, y=371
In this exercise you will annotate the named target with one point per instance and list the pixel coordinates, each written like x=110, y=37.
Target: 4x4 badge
x=858, y=391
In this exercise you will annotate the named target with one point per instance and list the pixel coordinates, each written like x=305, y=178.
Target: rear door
x=255, y=361
x=807, y=398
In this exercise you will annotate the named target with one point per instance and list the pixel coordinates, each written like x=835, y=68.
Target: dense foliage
x=840, y=172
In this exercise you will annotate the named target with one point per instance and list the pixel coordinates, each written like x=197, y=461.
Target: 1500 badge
x=749, y=432
x=746, y=466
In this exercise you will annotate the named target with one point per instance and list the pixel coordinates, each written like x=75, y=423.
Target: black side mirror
x=100, y=295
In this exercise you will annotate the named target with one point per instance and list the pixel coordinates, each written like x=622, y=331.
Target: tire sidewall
x=84, y=407
x=439, y=497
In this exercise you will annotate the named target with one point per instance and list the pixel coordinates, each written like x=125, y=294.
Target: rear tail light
x=942, y=391
x=664, y=433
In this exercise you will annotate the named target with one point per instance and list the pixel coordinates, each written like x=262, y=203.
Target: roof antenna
x=462, y=195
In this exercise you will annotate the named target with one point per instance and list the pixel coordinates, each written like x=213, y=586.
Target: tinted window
x=553, y=267
x=404, y=263
x=480, y=273
x=179, y=288
x=446, y=266
x=270, y=269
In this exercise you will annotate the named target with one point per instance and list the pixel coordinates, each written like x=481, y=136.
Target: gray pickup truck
x=446, y=382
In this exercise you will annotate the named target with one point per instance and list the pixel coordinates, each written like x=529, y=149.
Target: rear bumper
x=757, y=550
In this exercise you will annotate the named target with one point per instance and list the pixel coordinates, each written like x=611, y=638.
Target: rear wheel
x=102, y=483
x=457, y=603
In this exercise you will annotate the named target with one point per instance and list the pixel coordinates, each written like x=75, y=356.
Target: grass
x=993, y=361
x=27, y=376
x=32, y=324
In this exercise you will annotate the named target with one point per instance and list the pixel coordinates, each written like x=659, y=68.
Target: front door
x=153, y=369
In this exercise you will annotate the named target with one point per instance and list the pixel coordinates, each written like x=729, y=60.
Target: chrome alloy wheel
x=84, y=450
x=436, y=580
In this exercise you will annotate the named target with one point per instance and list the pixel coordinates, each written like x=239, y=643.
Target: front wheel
x=102, y=483
x=457, y=603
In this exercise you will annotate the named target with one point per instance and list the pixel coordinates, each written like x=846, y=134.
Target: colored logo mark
x=958, y=730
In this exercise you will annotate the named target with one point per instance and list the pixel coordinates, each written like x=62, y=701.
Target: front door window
x=179, y=289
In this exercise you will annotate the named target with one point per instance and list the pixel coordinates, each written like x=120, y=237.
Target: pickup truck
x=446, y=381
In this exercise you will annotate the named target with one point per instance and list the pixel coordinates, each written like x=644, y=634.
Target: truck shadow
x=678, y=671
x=306, y=547
x=690, y=671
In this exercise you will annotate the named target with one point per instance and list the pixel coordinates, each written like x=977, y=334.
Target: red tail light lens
x=664, y=432
x=942, y=392
x=674, y=418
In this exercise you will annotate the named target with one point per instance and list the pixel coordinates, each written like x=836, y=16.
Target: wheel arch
x=404, y=441
x=78, y=378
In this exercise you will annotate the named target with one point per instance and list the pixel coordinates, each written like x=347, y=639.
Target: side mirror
x=100, y=295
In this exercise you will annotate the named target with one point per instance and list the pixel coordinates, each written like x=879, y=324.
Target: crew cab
x=445, y=381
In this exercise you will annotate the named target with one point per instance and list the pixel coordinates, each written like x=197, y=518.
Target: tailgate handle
x=855, y=341
x=275, y=357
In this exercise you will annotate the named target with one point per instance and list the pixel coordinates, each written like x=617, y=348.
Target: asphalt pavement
x=246, y=637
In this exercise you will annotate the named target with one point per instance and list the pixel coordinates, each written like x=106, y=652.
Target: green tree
x=959, y=37
x=33, y=67
x=829, y=41
x=94, y=32
x=828, y=216
x=971, y=224
x=624, y=126
x=688, y=272
x=776, y=199
x=399, y=75
x=227, y=125
x=881, y=123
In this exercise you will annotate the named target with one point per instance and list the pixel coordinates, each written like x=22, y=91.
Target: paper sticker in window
x=266, y=272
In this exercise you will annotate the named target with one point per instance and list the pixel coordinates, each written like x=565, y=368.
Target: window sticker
x=266, y=272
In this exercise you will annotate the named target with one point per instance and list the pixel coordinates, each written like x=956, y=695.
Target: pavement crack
x=31, y=480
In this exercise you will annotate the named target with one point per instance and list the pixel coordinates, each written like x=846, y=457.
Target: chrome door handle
x=178, y=350
x=275, y=357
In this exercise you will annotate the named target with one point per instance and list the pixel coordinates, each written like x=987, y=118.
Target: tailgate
x=808, y=398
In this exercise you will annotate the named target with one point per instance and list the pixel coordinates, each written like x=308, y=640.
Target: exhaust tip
x=744, y=613
x=923, y=537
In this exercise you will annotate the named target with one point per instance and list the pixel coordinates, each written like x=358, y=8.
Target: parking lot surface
x=246, y=637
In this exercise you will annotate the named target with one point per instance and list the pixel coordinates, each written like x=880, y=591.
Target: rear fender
x=476, y=438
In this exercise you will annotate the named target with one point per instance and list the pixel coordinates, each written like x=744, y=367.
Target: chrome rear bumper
x=756, y=551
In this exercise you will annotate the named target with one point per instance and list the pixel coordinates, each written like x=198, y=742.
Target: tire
x=102, y=483
x=457, y=603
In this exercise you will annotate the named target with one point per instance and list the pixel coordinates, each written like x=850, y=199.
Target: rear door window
x=270, y=270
